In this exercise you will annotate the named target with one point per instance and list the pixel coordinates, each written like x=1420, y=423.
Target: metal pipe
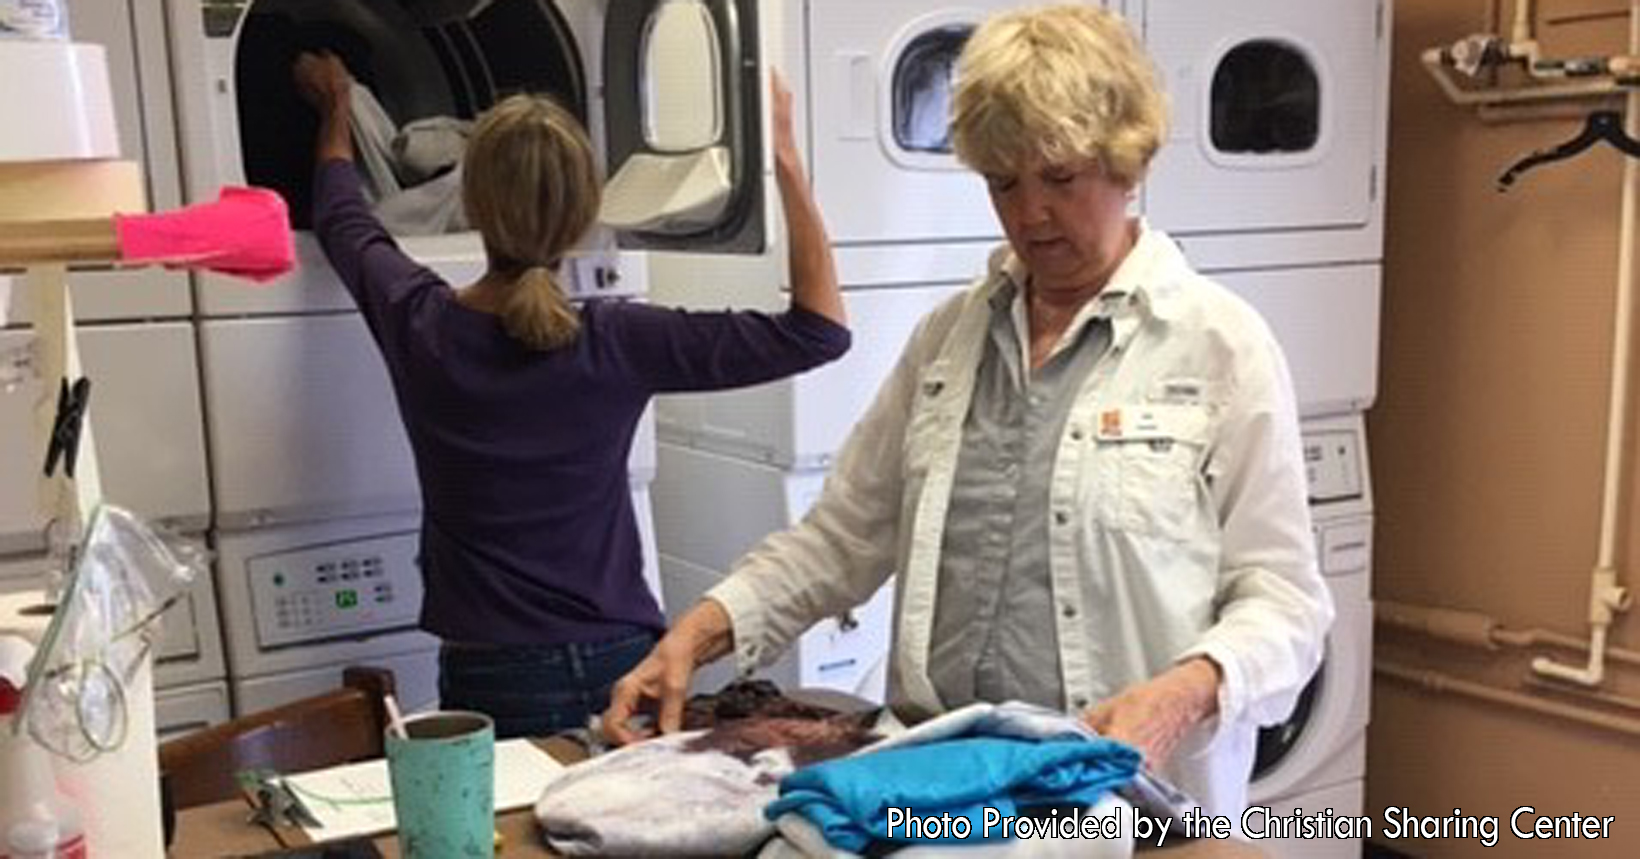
x=1606, y=596
x=1438, y=682
x=1479, y=630
x=1610, y=699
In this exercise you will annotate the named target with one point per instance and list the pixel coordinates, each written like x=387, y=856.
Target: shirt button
x=1076, y=434
x=1069, y=610
x=1080, y=703
x=1061, y=517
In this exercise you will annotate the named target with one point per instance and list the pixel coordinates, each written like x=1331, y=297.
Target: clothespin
x=72, y=401
x=274, y=802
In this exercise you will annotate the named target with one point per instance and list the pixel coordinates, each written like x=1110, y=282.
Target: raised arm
x=813, y=273
x=326, y=84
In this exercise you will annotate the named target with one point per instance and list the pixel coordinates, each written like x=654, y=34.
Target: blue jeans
x=533, y=691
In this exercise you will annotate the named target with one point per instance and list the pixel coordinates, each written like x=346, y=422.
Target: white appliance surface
x=186, y=709
x=145, y=410
x=302, y=421
x=415, y=679
x=1326, y=319
x=1276, y=147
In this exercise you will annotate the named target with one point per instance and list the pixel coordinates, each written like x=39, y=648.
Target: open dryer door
x=683, y=89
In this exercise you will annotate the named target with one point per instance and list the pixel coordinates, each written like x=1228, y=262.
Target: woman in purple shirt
x=521, y=407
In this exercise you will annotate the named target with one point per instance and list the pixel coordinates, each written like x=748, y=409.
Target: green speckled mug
x=443, y=777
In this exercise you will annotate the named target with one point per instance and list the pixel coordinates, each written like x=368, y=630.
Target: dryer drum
x=419, y=59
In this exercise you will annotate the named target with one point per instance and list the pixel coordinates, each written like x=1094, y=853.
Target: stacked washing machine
x=1271, y=182
x=136, y=342
x=312, y=483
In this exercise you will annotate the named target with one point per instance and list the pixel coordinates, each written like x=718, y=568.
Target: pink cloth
x=245, y=232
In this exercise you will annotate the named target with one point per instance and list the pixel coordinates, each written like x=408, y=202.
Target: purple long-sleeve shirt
x=528, y=534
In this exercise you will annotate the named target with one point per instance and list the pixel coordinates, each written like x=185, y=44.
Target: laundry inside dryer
x=418, y=67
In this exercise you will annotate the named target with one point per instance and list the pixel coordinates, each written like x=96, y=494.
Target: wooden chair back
x=337, y=727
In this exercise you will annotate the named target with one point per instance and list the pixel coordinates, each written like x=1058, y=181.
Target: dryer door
x=1275, y=114
x=683, y=89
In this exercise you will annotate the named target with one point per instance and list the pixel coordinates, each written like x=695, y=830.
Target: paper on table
x=357, y=799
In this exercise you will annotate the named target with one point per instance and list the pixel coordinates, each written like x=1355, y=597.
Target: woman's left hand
x=1154, y=715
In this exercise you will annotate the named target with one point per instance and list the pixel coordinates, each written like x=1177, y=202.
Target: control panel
x=350, y=589
x=1333, y=465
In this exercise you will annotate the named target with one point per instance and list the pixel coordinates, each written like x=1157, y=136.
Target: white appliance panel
x=146, y=416
x=242, y=557
x=302, y=422
x=183, y=710
x=802, y=421
x=317, y=593
x=1310, y=160
x=882, y=167
x=415, y=679
x=1327, y=321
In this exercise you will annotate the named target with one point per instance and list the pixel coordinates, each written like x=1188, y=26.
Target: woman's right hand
x=323, y=80
x=780, y=122
x=663, y=676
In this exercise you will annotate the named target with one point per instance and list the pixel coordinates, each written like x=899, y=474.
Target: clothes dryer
x=1315, y=761
x=1279, y=126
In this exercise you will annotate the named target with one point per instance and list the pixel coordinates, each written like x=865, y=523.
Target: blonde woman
x=1085, y=470
x=521, y=407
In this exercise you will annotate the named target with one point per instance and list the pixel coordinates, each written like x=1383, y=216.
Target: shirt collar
x=1147, y=281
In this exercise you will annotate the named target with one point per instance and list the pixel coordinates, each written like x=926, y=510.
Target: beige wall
x=1488, y=439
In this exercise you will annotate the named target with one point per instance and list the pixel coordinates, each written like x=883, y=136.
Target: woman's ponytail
x=537, y=312
x=530, y=186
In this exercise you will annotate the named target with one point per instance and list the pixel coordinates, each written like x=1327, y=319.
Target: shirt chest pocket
x=1145, y=469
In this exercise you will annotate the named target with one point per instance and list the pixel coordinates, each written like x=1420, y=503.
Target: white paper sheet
x=357, y=799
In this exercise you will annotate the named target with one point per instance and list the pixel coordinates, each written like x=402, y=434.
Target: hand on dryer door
x=525, y=398
x=1084, y=470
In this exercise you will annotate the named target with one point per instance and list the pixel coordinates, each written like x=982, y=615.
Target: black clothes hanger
x=1602, y=126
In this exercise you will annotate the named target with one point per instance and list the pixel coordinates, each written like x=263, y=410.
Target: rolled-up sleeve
x=1272, y=606
x=843, y=549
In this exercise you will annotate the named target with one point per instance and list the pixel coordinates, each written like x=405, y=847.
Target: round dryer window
x=1266, y=99
x=923, y=75
x=421, y=61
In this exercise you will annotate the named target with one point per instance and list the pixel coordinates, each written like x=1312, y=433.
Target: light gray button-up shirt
x=994, y=634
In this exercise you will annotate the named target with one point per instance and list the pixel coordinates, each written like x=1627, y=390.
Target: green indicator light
x=347, y=599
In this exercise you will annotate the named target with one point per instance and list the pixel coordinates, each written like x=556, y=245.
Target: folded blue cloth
x=848, y=798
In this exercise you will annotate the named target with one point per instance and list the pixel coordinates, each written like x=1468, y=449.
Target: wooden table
x=223, y=829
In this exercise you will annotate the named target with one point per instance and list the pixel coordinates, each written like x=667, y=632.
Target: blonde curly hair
x=1065, y=84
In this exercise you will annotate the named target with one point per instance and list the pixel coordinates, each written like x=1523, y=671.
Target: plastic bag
x=125, y=576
